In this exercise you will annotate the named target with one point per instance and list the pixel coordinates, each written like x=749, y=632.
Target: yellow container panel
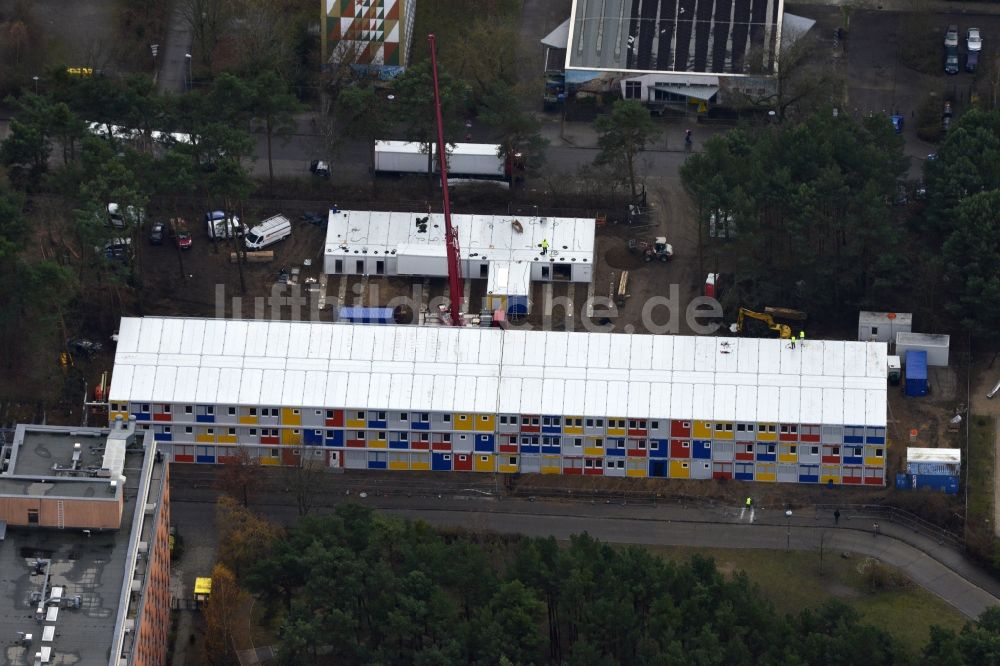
x=399, y=465
x=227, y=439
x=378, y=444
x=829, y=478
x=485, y=423
x=289, y=417
x=113, y=415
x=462, y=422
x=702, y=430
x=593, y=451
x=481, y=465
x=508, y=469
x=875, y=462
x=549, y=469
x=288, y=436
x=636, y=472
x=204, y=439
x=268, y=460
x=572, y=430
x=767, y=436
x=787, y=457
x=356, y=423
x=765, y=476
x=420, y=466
x=249, y=420
x=616, y=432
x=724, y=434
x=679, y=470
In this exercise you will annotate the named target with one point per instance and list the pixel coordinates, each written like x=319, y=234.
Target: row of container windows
x=548, y=421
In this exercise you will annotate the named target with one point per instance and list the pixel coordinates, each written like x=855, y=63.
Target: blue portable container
x=362, y=315
x=916, y=373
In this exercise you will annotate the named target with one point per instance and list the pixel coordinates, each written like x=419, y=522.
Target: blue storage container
x=362, y=315
x=916, y=373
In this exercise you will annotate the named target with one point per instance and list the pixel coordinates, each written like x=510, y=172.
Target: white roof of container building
x=354, y=366
x=481, y=237
x=919, y=454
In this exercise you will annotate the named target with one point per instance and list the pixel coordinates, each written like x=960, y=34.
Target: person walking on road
x=688, y=140
x=875, y=526
x=836, y=516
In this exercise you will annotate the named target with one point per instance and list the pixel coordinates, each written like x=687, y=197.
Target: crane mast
x=451, y=236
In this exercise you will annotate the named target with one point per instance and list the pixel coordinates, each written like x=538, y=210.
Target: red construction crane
x=451, y=236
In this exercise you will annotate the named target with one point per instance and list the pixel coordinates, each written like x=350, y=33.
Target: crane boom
x=451, y=236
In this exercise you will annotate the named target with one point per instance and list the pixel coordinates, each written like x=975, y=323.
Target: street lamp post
x=35, y=79
x=154, y=49
x=788, y=529
x=190, y=82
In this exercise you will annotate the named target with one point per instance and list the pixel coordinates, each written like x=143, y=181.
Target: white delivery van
x=268, y=232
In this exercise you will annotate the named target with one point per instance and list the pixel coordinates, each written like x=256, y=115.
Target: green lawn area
x=980, y=467
x=450, y=20
x=792, y=582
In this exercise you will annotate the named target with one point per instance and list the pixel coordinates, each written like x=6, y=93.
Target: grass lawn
x=979, y=464
x=449, y=20
x=792, y=582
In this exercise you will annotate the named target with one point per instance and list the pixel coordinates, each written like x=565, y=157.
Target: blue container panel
x=743, y=476
x=530, y=448
x=484, y=447
x=377, y=424
x=396, y=444
x=657, y=467
x=702, y=450
x=551, y=450
x=902, y=481
x=205, y=459
x=205, y=418
x=334, y=438
x=945, y=484
x=163, y=437
x=766, y=457
x=313, y=437
x=659, y=448
x=551, y=430
x=517, y=305
x=808, y=478
x=419, y=425
x=376, y=464
x=614, y=452
x=141, y=416
x=439, y=463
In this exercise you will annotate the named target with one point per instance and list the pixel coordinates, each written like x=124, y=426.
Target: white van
x=268, y=232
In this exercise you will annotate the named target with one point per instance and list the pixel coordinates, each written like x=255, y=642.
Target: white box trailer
x=465, y=160
x=400, y=157
x=936, y=346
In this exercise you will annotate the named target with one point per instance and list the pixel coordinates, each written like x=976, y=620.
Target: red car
x=178, y=229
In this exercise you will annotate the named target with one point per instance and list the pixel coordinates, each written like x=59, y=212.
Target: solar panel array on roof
x=493, y=371
x=710, y=36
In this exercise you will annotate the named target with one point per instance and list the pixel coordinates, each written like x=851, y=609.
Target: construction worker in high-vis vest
x=749, y=502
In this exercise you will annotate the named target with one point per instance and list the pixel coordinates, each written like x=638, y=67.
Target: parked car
x=117, y=249
x=157, y=232
x=951, y=60
x=951, y=37
x=320, y=168
x=270, y=231
x=972, y=61
x=220, y=224
x=119, y=219
x=897, y=123
x=973, y=40
x=180, y=234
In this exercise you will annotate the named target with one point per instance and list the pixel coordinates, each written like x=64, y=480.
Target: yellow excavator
x=783, y=330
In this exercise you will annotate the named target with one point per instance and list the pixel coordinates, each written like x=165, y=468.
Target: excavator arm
x=783, y=330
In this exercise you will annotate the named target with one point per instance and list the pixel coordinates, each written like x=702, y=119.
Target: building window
x=633, y=90
x=512, y=460
x=166, y=409
x=814, y=450
x=424, y=437
x=319, y=412
x=686, y=424
x=503, y=420
x=253, y=432
x=329, y=413
x=793, y=450
x=360, y=415
x=166, y=429
x=360, y=434
x=424, y=417
x=232, y=431
x=232, y=411
x=642, y=444
x=484, y=458
x=188, y=409
x=770, y=448
x=446, y=418
x=577, y=443
x=403, y=416
x=144, y=408
x=381, y=434
x=381, y=416
x=210, y=431
x=654, y=425
x=296, y=412
x=274, y=412
x=253, y=411
x=210, y=410
x=447, y=456
x=32, y=516
x=878, y=453
x=188, y=430
x=463, y=417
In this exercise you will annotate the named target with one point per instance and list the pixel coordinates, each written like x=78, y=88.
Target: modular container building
x=508, y=287
x=379, y=243
x=915, y=371
x=936, y=346
x=883, y=326
x=508, y=401
x=939, y=469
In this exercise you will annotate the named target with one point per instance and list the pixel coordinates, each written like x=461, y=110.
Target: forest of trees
x=828, y=223
x=355, y=587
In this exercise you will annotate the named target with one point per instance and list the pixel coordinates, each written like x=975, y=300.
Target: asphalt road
x=942, y=571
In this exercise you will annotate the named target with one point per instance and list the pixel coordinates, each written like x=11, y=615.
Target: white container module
x=400, y=157
x=936, y=346
x=475, y=159
x=883, y=326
